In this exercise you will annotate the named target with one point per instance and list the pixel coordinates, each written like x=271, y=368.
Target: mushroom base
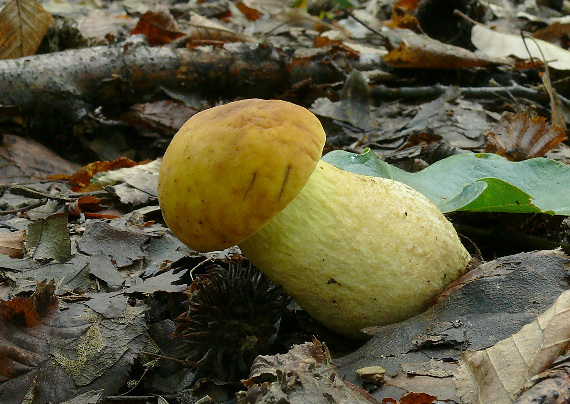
x=357, y=251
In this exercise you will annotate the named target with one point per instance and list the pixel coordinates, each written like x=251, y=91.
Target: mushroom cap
x=230, y=169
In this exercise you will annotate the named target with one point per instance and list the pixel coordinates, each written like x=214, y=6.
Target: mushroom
x=354, y=251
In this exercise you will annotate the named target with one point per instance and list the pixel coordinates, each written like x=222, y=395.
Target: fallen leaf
x=204, y=29
x=49, y=238
x=64, y=353
x=300, y=375
x=412, y=398
x=158, y=26
x=481, y=182
x=421, y=51
x=12, y=244
x=499, y=44
x=520, y=137
x=498, y=374
x=23, y=24
x=401, y=18
x=82, y=178
x=124, y=246
x=23, y=160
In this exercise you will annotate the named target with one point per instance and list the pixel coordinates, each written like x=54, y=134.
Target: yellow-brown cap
x=231, y=168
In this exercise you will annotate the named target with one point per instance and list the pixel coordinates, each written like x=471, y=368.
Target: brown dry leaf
x=28, y=311
x=201, y=29
x=164, y=117
x=12, y=244
x=402, y=19
x=557, y=34
x=520, y=137
x=23, y=24
x=23, y=160
x=421, y=51
x=89, y=206
x=82, y=178
x=497, y=374
x=300, y=375
x=412, y=398
x=250, y=12
x=158, y=26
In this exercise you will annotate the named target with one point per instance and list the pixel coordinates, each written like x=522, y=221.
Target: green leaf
x=476, y=182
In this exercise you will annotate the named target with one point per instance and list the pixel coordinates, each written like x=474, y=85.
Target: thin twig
x=165, y=357
x=384, y=92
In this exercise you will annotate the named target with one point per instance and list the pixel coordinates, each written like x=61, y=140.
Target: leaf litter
x=131, y=269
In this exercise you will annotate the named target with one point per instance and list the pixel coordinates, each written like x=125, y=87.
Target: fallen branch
x=383, y=92
x=71, y=83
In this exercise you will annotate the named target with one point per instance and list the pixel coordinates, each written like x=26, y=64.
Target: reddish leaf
x=27, y=311
x=520, y=137
x=412, y=398
x=158, y=26
x=249, y=12
x=82, y=178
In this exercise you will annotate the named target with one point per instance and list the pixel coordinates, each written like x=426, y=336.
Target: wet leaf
x=520, y=137
x=498, y=374
x=69, y=352
x=23, y=24
x=476, y=182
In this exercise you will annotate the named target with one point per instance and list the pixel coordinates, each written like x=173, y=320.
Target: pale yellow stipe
x=357, y=251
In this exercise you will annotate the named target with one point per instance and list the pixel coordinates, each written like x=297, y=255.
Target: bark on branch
x=71, y=83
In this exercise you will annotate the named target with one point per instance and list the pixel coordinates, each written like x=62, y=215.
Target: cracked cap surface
x=230, y=169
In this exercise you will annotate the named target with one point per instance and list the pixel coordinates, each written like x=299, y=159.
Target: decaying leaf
x=520, y=137
x=12, y=244
x=497, y=374
x=123, y=246
x=412, y=398
x=82, y=178
x=158, y=26
x=23, y=24
x=24, y=160
x=63, y=353
x=551, y=386
x=421, y=51
x=133, y=185
x=300, y=375
x=201, y=28
x=49, y=238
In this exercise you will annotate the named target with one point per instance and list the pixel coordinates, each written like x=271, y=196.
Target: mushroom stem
x=357, y=251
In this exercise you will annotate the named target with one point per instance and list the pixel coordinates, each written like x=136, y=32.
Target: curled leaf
x=497, y=374
x=521, y=137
